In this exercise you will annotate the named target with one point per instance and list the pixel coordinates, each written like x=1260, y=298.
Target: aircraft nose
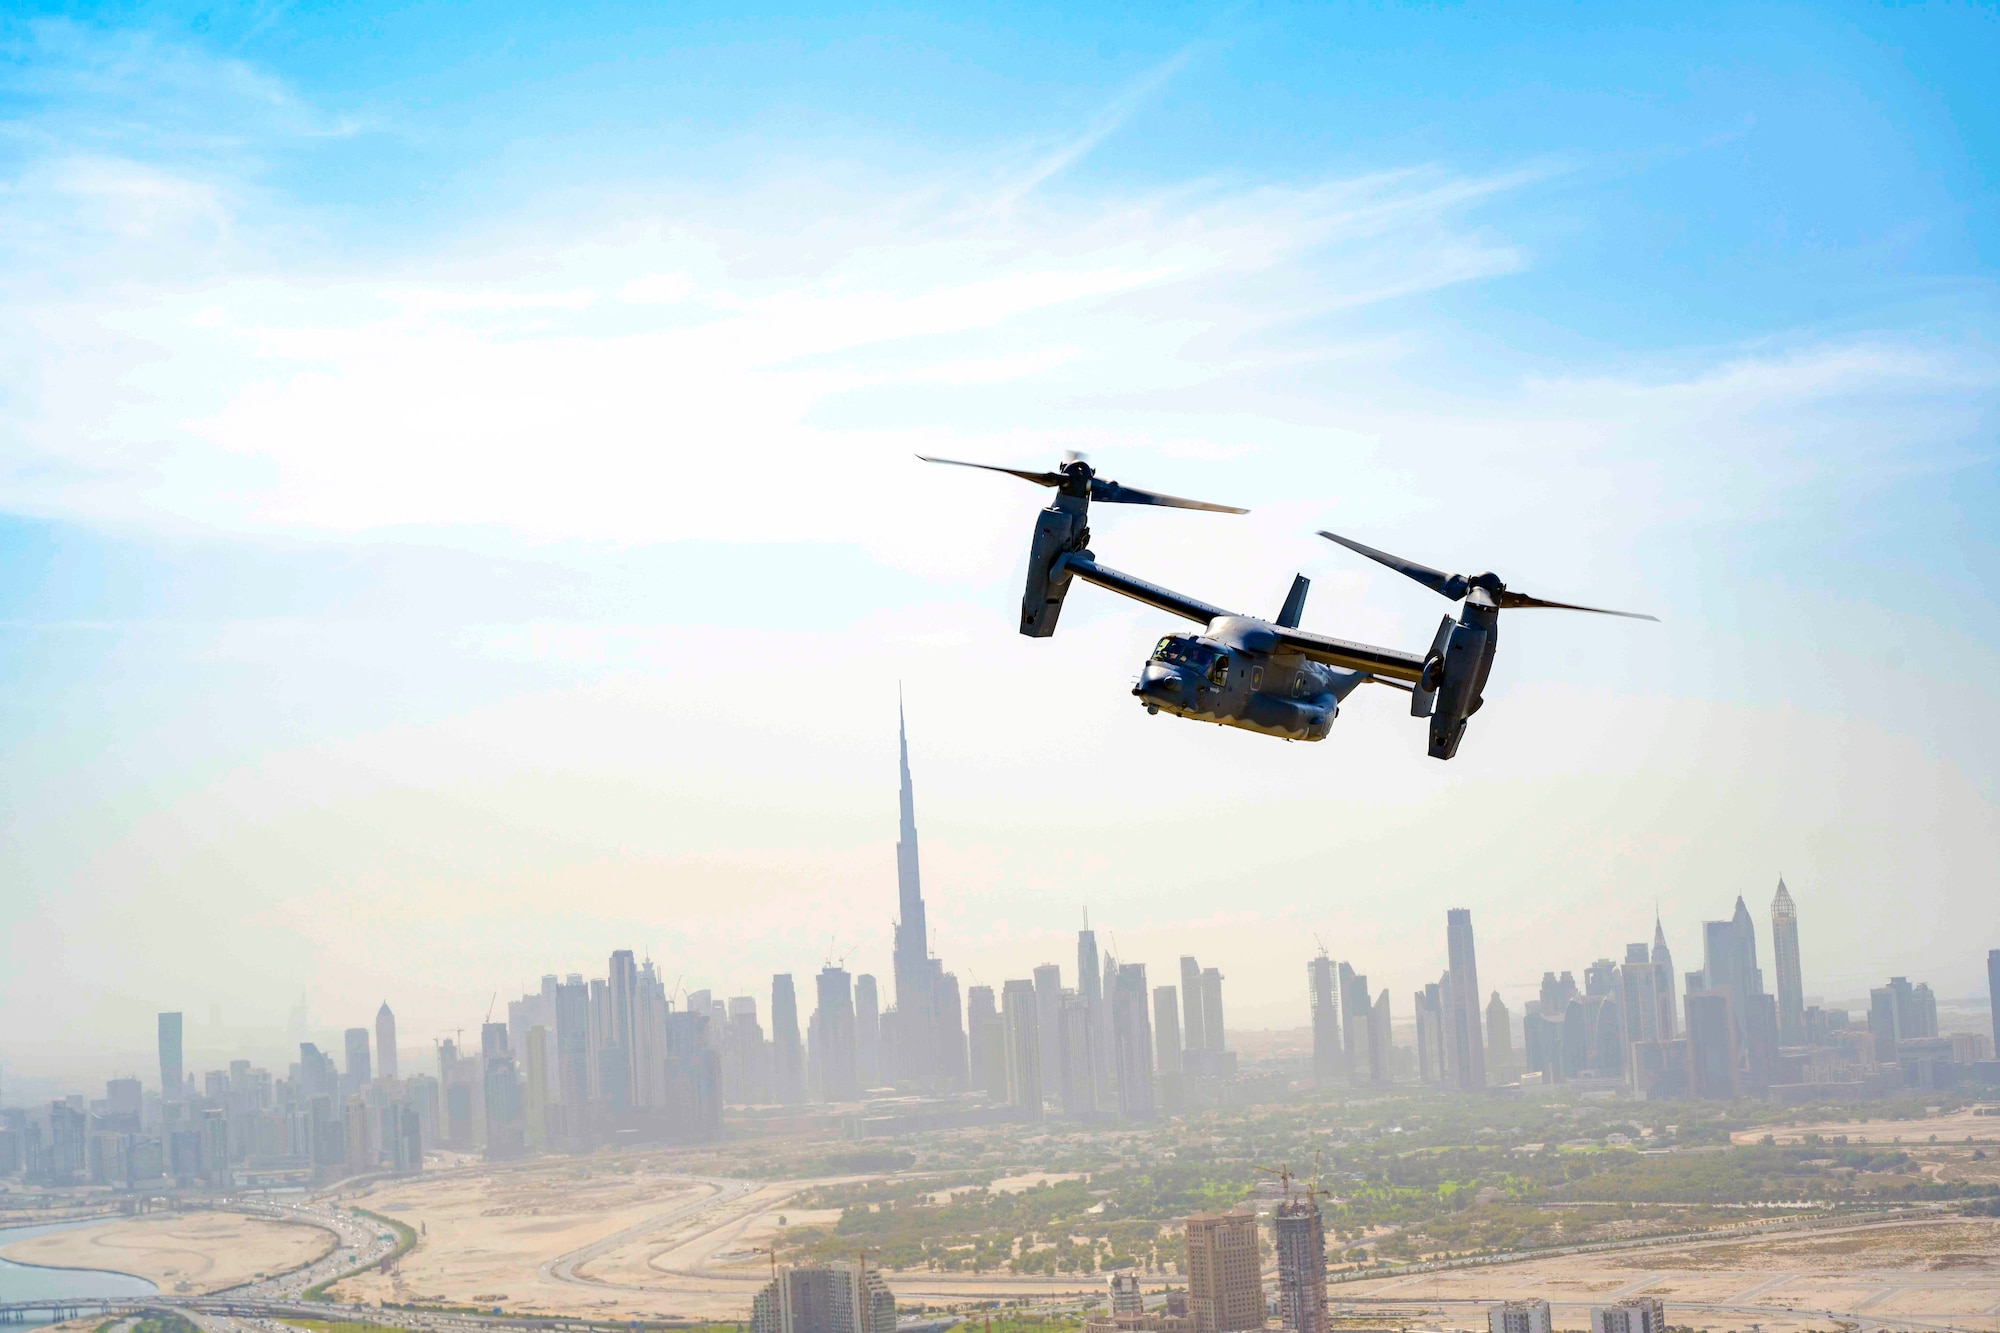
x=1160, y=681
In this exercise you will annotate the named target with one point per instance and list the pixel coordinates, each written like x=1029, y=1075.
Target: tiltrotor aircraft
x=1267, y=676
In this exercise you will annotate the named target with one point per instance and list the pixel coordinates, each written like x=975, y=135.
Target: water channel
x=25, y=1282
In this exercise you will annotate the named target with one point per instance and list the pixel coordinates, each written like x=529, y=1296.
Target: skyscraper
x=919, y=1054
x=833, y=1020
x=951, y=1028
x=1354, y=1022
x=1635, y=994
x=1712, y=1045
x=1300, y=1237
x=537, y=1109
x=1104, y=1040
x=1132, y=1034
x=1325, y=1016
x=358, y=1072
x=506, y=1129
x=1048, y=1025
x=1023, y=1045
x=1433, y=1064
x=1194, y=1035
x=1225, y=1286
x=1785, y=948
x=1729, y=964
x=1883, y=1024
x=1167, y=1029
x=1379, y=1044
x=788, y=1055
x=1993, y=994
x=980, y=1014
x=1080, y=1057
x=1090, y=984
x=1667, y=1024
x=1915, y=1008
x=1089, y=980
x=171, y=1073
x=1468, y=1048
x=1214, y=1032
x=573, y=1057
x=385, y=1040
x=620, y=1044
x=867, y=1032
x=1499, y=1032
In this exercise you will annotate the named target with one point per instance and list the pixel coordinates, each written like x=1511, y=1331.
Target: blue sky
x=458, y=517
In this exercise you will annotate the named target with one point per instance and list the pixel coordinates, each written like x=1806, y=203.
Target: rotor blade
x=1521, y=599
x=1453, y=586
x=1110, y=492
x=1039, y=478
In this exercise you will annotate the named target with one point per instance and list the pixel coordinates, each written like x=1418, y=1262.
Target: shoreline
x=7, y=1241
x=83, y=1258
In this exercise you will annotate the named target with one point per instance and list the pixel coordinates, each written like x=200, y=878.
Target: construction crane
x=1285, y=1179
x=1283, y=1175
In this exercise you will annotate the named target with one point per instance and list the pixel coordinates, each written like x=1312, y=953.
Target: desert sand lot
x=632, y=1238
x=1936, y=1274
x=1955, y=1127
x=516, y=1237
x=205, y=1251
x=570, y=1238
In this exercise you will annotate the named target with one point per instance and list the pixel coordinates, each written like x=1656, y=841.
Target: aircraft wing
x=1384, y=662
x=1334, y=652
x=1152, y=594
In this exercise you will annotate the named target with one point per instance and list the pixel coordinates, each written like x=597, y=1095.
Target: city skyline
x=867, y=1039
x=585, y=1063
x=1408, y=1027
x=1022, y=1042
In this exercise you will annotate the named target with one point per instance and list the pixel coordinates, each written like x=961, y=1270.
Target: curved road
x=563, y=1267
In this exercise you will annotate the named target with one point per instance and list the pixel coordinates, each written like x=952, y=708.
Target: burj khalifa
x=927, y=1039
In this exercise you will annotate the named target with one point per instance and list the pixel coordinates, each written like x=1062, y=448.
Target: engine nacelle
x=1056, y=532
x=1466, y=656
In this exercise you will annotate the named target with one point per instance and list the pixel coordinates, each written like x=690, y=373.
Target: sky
x=459, y=513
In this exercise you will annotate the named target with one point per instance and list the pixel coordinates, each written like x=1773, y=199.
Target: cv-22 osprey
x=1267, y=676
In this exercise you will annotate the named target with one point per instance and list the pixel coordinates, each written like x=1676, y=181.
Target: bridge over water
x=58, y=1308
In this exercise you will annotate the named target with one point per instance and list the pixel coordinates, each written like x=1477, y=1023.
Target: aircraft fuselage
x=1235, y=675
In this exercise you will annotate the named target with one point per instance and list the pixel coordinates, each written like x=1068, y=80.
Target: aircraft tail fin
x=1295, y=602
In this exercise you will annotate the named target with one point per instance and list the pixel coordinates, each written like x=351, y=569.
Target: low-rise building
x=1639, y=1314
x=1518, y=1317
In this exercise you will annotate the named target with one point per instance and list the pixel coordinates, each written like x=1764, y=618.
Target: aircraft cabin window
x=1219, y=673
x=1257, y=678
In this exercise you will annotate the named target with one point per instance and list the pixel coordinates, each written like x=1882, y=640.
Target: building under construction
x=1301, y=1242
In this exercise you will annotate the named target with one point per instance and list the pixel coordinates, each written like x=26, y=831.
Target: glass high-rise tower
x=170, y=1057
x=1791, y=989
x=1462, y=1026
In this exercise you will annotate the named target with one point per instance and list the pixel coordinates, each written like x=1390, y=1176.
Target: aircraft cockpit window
x=1186, y=652
x=1219, y=673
